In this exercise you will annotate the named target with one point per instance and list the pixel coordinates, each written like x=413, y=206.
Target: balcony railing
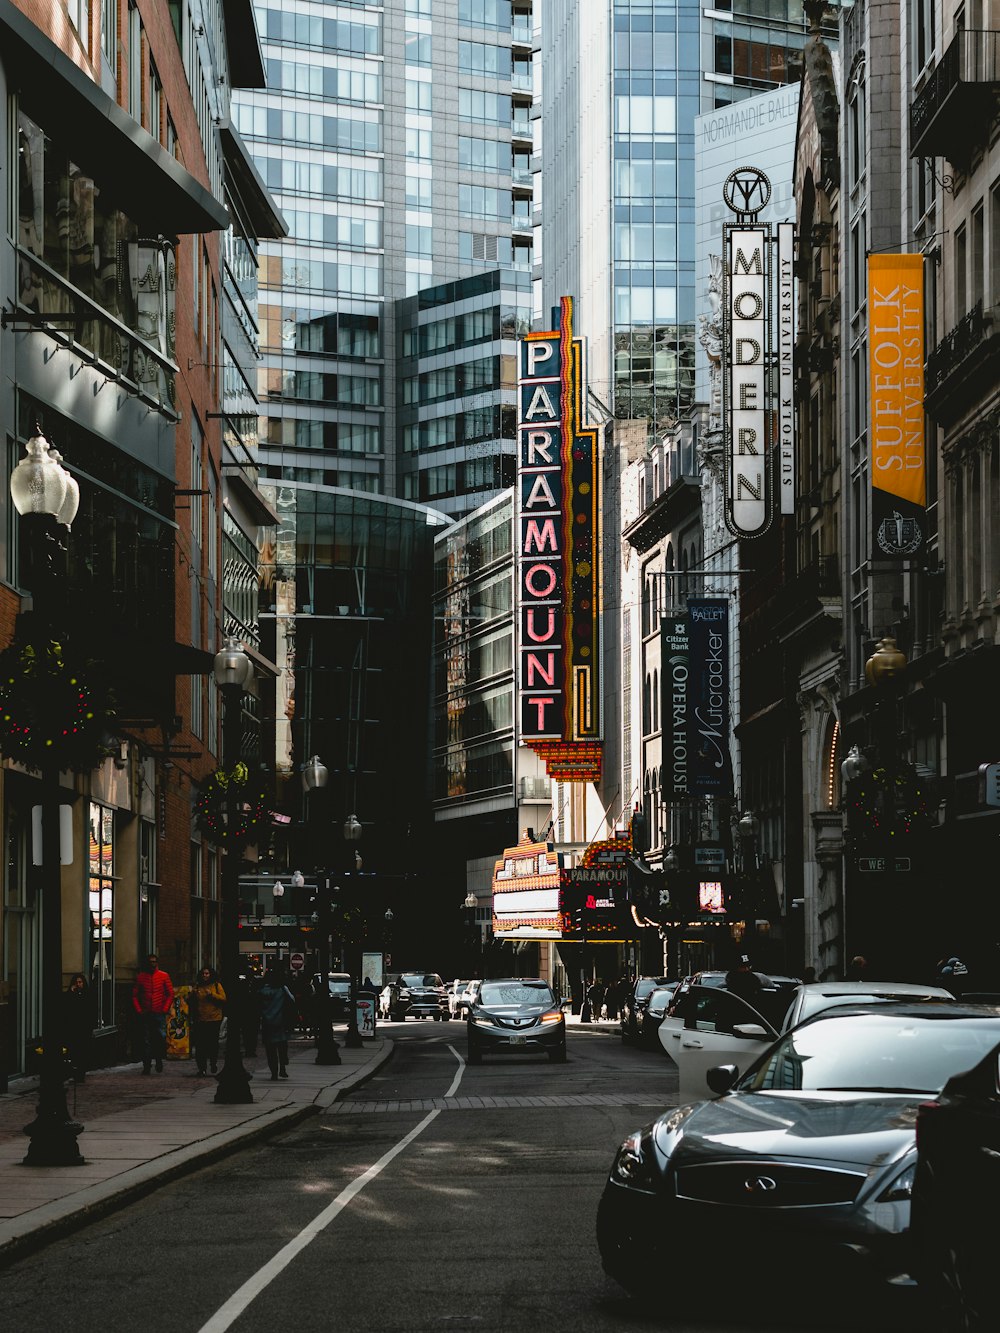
x=956, y=346
x=75, y=319
x=954, y=109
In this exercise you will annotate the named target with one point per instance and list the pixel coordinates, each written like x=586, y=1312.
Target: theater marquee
x=559, y=559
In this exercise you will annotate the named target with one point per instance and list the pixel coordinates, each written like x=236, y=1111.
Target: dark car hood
x=868, y=1130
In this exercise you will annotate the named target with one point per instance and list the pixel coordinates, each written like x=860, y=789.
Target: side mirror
x=752, y=1031
x=720, y=1078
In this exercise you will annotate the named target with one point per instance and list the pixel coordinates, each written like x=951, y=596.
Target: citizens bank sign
x=758, y=349
x=558, y=557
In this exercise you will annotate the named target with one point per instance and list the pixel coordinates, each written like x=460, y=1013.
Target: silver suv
x=416, y=994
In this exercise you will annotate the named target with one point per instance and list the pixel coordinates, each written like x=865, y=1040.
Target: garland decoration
x=50, y=709
x=211, y=809
x=889, y=803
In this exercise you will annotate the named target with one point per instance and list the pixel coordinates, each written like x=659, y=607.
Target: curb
x=65, y=1216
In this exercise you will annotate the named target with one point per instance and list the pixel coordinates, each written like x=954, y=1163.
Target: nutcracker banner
x=709, y=766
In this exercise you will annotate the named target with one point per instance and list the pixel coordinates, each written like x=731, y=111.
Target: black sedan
x=955, y=1223
x=514, y=1016
x=652, y=1014
x=635, y=1001
x=808, y=1159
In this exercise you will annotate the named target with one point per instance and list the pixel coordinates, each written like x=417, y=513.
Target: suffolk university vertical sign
x=559, y=564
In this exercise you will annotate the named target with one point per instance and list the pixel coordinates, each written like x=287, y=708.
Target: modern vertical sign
x=709, y=766
x=674, y=656
x=558, y=556
x=896, y=392
x=758, y=345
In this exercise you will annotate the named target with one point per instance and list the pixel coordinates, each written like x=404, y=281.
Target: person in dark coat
x=278, y=1014
x=742, y=980
x=247, y=1012
x=78, y=1024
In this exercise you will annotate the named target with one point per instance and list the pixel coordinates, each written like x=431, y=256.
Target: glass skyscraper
x=397, y=139
x=623, y=81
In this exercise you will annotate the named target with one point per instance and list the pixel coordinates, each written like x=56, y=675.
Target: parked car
x=652, y=1014
x=414, y=994
x=709, y=1025
x=634, y=1002
x=339, y=985
x=803, y=1166
x=455, y=990
x=955, y=1222
x=515, y=1015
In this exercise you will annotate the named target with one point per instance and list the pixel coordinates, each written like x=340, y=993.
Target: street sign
x=296, y=961
x=709, y=856
x=880, y=864
x=989, y=784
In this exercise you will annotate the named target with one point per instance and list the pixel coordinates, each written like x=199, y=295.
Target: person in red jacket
x=152, y=996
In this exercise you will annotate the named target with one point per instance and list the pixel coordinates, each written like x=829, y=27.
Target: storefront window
x=101, y=963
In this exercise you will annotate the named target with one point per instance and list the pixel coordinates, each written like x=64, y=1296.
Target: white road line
x=227, y=1315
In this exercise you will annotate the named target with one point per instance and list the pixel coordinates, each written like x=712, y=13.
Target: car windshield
x=339, y=987
x=645, y=985
x=875, y=1052
x=420, y=979
x=516, y=992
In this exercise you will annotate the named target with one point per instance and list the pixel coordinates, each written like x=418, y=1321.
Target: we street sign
x=880, y=864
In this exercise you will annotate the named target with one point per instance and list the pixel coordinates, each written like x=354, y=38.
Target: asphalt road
x=436, y=1197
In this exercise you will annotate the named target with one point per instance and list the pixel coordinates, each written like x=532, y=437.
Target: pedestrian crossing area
x=378, y=1106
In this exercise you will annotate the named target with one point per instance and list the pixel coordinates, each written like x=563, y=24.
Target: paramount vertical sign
x=896, y=371
x=558, y=558
x=758, y=363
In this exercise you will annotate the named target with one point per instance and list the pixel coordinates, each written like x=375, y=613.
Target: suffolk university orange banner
x=896, y=393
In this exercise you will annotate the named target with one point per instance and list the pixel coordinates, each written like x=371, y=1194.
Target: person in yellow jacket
x=206, y=1005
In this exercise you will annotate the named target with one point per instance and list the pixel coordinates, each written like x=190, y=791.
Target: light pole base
x=327, y=1048
x=353, y=1040
x=53, y=1142
x=233, y=1086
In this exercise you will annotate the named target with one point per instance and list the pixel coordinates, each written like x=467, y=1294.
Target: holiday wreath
x=49, y=709
x=884, y=802
x=212, y=806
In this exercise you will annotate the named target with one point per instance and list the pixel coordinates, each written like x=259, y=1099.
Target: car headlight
x=404, y=994
x=483, y=1021
x=552, y=1018
x=900, y=1190
x=631, y=1167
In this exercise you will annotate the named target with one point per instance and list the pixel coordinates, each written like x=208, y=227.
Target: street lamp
x=352, y=835
x=47, y=497
x=233, y=671
x=314, y=778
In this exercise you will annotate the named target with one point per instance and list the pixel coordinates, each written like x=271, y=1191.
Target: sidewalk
x=142, y=1131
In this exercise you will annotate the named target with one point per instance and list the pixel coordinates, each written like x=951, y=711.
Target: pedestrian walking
x=152, y=996
x=278, y=1013
x=595, y=998
x=78, y=1025
x=206, y=1005
x=858, y=968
